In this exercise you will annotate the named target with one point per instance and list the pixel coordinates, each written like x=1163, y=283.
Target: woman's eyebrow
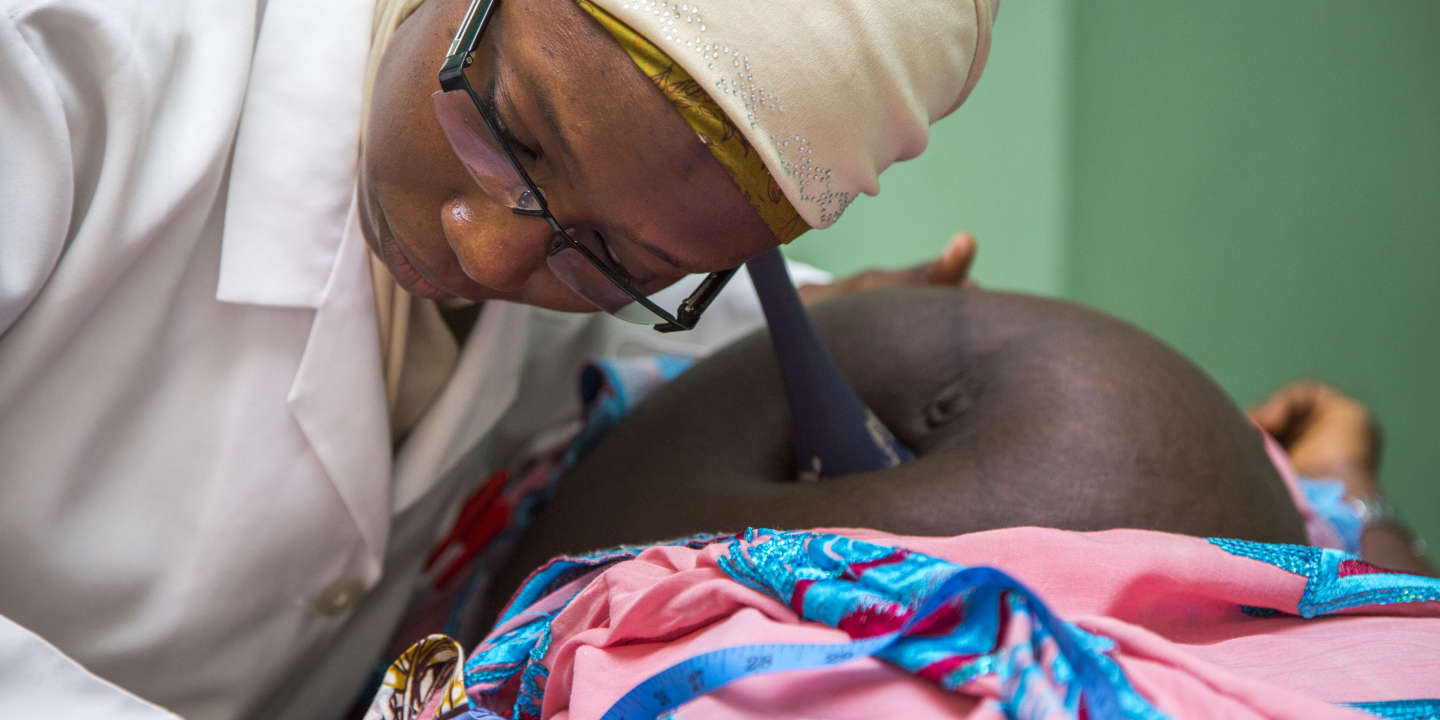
x=657, y=252
x=625, y=234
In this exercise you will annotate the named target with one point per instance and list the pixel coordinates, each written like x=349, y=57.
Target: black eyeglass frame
x=452, y=78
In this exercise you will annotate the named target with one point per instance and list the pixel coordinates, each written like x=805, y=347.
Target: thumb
x=953, y=267
x=1287, y=409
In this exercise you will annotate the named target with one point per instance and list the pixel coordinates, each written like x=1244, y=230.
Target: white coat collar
x=293, y=170
x=338, y=395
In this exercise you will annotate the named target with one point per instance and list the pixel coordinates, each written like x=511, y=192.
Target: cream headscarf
x=829, y=93
x=418, y=352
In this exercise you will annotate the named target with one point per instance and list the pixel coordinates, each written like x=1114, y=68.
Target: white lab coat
x=201, y=511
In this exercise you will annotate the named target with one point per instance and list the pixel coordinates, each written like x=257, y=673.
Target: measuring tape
x=691, y=678
x=700, y=674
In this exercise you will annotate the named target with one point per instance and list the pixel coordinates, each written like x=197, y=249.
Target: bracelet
x=1376, y=511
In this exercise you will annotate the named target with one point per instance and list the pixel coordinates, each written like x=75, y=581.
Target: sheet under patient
x=1151, y=556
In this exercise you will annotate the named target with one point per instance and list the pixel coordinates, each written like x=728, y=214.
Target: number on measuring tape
x=706, y=672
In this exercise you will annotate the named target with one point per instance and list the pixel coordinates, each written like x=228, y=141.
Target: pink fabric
x=1170, y=603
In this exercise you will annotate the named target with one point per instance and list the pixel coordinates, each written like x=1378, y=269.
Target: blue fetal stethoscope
x=835, y=432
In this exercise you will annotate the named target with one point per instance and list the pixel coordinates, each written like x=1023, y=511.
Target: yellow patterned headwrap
x=705, y=117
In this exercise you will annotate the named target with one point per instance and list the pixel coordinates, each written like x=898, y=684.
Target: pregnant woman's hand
x=1330, y=435
x=1326, y=433
x=952, y=268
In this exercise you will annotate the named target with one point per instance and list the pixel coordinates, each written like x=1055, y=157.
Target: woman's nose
x=496, y=248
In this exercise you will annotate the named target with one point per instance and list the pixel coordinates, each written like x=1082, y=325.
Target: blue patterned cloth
x=1327, y=499
x=1334, y=580
x=1401, y=709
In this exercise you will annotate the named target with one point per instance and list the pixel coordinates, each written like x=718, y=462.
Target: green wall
x=1256, y=183
x=991, y=168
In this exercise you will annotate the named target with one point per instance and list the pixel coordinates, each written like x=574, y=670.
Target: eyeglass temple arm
x=458, y=56
x=694, y=306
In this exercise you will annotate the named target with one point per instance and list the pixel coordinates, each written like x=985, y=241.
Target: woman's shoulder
x=117, y=112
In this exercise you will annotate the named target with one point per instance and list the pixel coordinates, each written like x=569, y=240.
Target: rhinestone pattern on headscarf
x=684, y=25
x=829, y=94
x=726, y=143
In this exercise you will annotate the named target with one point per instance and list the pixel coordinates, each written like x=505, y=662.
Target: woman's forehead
x=554, y=45
x=565, y=71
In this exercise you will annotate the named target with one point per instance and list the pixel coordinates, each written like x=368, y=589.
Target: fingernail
x=952, y=254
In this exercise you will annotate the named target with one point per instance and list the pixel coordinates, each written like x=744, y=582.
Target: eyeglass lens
x=478, y=151
x=582, y=276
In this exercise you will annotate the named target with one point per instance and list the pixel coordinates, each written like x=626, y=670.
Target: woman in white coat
x=226, y=436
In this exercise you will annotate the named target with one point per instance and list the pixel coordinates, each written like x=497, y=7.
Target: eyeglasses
x=577, y=256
